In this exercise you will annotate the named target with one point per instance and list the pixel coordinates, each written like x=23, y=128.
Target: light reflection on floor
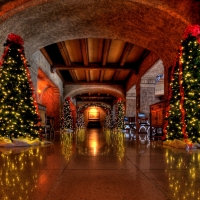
x=94, y=163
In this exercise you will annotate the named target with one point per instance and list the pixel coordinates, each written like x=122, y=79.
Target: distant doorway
x=94, y=124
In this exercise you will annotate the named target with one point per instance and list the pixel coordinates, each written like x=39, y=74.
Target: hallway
x=93, y=164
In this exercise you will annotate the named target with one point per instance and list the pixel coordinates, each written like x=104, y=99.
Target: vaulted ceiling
x=94, y=61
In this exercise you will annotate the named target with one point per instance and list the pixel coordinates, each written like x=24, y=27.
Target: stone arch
x=150, y=24
x=117, y=91
x=104, y=106
x=101, y=105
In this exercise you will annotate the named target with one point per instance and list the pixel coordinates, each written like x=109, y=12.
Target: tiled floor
x=99, y=165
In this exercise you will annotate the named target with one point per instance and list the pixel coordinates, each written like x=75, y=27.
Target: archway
x=92, y=113
x=131, y=21
x=48, y=96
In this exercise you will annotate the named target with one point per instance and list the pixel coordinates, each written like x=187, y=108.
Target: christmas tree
x=18, y=108
x=67, y=119
x=107, y=122
x=80, y=123
x=183, y=112
x=120, y=114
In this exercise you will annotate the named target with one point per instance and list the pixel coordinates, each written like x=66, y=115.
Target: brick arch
x=157, y=26
x=116, y=91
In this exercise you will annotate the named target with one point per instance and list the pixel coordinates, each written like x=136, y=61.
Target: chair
x=144, y=124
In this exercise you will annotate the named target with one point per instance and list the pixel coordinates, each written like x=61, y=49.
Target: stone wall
x=37, y=60
x=147, y=98
x=130, y=107
x=52, y=93
x=131, y=102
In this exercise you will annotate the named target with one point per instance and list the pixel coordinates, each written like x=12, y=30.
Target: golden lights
x=18, y=171
x=183, y=184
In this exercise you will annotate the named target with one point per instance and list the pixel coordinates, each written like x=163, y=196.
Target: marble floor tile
x=105, y=184
x=99, y=165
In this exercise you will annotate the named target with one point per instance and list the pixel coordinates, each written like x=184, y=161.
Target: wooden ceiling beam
x=84, y=50
x=73, y=75
x=145, y=53
x=64, y=52
x=115, y=76
x=136, y=68
x=123, y=58
x=102, y=73
x=87, y=75
x=46, y=55
x=93, y=66
x=106, y=48
x=125, y=53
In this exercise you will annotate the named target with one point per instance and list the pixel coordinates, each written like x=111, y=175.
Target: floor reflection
x=114, y=165
x=93, y=142
x=13, y=172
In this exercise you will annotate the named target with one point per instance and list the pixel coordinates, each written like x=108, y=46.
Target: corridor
x=93, y=164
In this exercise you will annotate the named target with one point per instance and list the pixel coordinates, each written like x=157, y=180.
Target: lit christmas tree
x=183, y=112
x=80, y=123
x=120, y=114
x=67, y=119
x=18, y=108
x=107, y=122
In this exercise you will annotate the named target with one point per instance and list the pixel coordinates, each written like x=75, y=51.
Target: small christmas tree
x=67, y=119
x=80, y=123
x=183, y=112
x=18, y=108
x=107, y=122
x=120, y=114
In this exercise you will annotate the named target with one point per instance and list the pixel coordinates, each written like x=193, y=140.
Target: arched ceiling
x=155, y=26
x=110, y=92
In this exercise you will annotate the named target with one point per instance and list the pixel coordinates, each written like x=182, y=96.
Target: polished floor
x=99, y=165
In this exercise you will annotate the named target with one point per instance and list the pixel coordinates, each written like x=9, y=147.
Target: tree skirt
x=181, y=144
x=22, y=142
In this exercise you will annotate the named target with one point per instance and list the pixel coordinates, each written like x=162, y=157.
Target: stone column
x=147, y=95
x=131, y=103
x=137, y=103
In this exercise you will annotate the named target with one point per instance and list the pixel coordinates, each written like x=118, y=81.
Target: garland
x=101, y=105
x=169, y=97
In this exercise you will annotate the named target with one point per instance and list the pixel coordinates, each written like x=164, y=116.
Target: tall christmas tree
x=120, y=114
x=66, y=118
x=183, y=112
x=18, y=108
